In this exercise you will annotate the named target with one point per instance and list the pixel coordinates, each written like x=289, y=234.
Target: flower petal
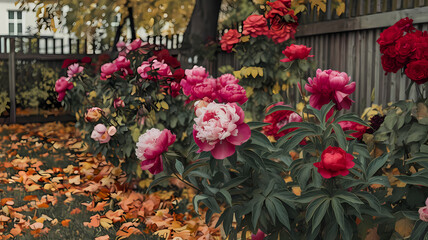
x=223, y=150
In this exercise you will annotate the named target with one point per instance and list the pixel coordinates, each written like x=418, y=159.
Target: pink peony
x=232, y=93
x=226, y=79
x=150, y=147
x=294, y=52
x=118, y=102
x=334, y=161
x=100, y=134
x=219, y=128
x=208, y=89
x=74, y=69
x=61, y=86
x=137, y=43
x=423, y=212
x=259, y=236
x=193, y=76
x=330, y=85
x=123, y=65
x=120, y=45
x=107, y=70
x=154, y=71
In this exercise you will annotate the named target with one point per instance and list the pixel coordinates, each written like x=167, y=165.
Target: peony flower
x=107, y=70
x=68, y=62
x=100, y=134
x=137, y=43
x=405, y=24
x=229, y=39
x=154, y=71
x=294, y=52
x=259, y=236
x=150, y=147
x=423, y=212
x=123, y=65
x=226, y=79
x=93, y=114
x=417, y=71
x=348, y=125
x=330, y=85
x=389, y=35
x=118, y=102
x=334, y=161
x=61, y=86
x=111, y=130
x=232, y=93
x=390, y=64
x=281, y=30
x=278, y=8
x=193, y=76
x=74, y=69
x=219, y=128
x=164, y=56
x=255, y=25
x=207, y=89
x=178, y=75
x=120, y=45
x=278, y=120
x=175, y=89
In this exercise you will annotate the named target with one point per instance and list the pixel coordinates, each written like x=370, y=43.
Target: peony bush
x=304, y=171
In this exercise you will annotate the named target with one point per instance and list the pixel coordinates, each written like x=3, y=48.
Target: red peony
x=294, y=52
x=330, y=85
x=277, y=8
x=389, y=35
x=279, y=119
x=281, y=30
x=334, y=161
x=405, y=24
x=417, y=71
x=390, y=64
x=255, y=25
x=229, y=39
x=360, y=129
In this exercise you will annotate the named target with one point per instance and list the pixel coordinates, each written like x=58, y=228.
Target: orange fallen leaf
x=99, y=207
x=105, y=237
x=5, y=200
x=65, y=222
x=30, y=198
x=75, y=211
x=95, y=222
x=36, y=225
x=16, y=230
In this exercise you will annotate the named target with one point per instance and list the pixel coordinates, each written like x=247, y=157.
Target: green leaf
x=417, y=133
x=338, y=212
x=157, y=181
x=179, y=166
x=304, y=125
x=196, y=200
x=260, y=139
x=199, y=174
x=281, y=213
x=280, y=108
x=193, y=166
x=226, y=195
x=257, y=209
x=291, y=143
x=415, y=179
x=390, y=121
x=320, y=213
x=313, y=206
x=371, y=200
x=310, y=196
x=234, y=182
x=376, y=164
x=419, y=230
x=271, y=209
x=255, y=125
x=348, y=197
x=340, y=136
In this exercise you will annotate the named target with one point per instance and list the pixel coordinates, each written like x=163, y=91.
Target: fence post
x=12, y=67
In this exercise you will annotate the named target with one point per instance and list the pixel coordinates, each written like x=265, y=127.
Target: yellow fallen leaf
x=106, y=223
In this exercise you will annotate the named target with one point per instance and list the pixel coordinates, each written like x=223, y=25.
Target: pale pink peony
x=150, y=147
x=107, y=70
x=219, y=128
x=193, y=76
x=423, y=212
x=74, y=69
x=154, y=71
x=111, y=130
x=61, y=86
x=100, y=134
x=120, y=45
x=330, y=85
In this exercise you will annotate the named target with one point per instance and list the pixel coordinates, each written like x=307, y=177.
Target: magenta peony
x=219, y=128
x=118, y=102
x=123, y=65
x=137, y=43
x=334, y=161
x=150, y=147
x=330, y=85
x=100, y=134
x=61, y=86
x=107, y=70
x=74, y=69
x=259, y=236
x=232, y=93
x=193, y=76
x=423, y=212
x=294, y=52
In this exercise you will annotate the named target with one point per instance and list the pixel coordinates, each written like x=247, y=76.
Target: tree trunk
x=203, y=23
x=131, y=23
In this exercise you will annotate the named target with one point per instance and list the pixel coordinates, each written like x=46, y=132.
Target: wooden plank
x=377, y=69
x=419, y=15
x=12, y=82
x=371, y=45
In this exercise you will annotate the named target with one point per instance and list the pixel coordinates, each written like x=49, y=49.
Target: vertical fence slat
x=12, y=82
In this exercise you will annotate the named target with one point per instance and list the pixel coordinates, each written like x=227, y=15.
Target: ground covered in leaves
x=50, y=188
